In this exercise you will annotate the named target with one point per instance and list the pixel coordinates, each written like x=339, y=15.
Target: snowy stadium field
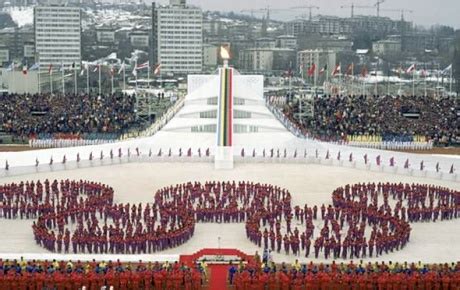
x=308, y=183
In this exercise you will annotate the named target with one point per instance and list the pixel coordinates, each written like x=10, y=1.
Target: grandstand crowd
x=263, y=274
x=364, y=220
x=32, y=275
x=29, y=115
x=390, y=118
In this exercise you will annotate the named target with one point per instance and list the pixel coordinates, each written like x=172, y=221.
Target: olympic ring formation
x=363, y=219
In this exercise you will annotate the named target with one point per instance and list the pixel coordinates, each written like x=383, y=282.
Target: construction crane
x=310, y=8
x=353, y=7
x=379, y=2
x=402, y=11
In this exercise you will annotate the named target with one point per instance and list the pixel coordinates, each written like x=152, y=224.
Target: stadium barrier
x=354, y=160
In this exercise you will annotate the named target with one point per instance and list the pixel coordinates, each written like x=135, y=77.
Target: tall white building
x=177, y=37
x=57, y=35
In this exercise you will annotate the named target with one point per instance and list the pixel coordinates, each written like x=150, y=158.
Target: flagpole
x=327, y=79
x=124, y=77
x=100, y=74
x=63, y=81
x=12, y=79
x=135, y=68
x=437, y=80
x=148, y=74
x=340, y=79
x=75, y=79
x=424, y=74
x=51, y=80
x=87, y=79
x=112, y=79
x=352, y=78
x=388, y=82
x=451, y=79
x=39, y=71
x=315, y=74
x=413, y=82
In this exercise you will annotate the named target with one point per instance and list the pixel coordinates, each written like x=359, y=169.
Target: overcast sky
x=426, y=12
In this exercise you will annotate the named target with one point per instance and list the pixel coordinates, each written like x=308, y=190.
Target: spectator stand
x=378, y=122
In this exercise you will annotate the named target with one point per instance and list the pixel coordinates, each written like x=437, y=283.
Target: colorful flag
x=50, y=69
x=364, y=71
x=311, y=70
x=157, y=69
x=411, y=69
x=323, y=70
x=447, y=70
x=11, y=67
x=144, y=65
x=336, y=70
x=122, y=68
x=350, y=69
x=85, y=68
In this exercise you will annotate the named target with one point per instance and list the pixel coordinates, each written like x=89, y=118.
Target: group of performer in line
x=363, y=220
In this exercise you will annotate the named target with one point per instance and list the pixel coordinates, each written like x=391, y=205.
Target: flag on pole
x=311, y=70
x=336, y=70
x=144, y=65
x=11, y=67
x=364, y=71
x=50, y=69
x=135, y=71
x=73, y=66
x=85, y=68
x=323, y=70
x=122, y=68
x=97, y=68
x=350, y=69
x=61, y=68
x=446, y=70
x=424, y=73
x=112, y=70
x=411, y=69
x=24, y=69
x=157, y=69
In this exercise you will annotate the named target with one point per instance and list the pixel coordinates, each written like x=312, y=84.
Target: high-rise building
x=57, y=35
x=177, y=37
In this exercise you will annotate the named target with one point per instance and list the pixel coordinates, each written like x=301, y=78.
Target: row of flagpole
x=337, y=72
x=85, y=69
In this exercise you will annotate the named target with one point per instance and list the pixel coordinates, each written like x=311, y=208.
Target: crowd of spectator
x=391, y=117
x=26, y=115
x=371, y=276
x=31, y=275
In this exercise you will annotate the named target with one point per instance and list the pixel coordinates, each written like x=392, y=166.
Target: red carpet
x=218, y=277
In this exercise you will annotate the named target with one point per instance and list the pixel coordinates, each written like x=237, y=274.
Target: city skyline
x=424, y=12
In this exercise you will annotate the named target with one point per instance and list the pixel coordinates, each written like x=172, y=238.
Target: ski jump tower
x=224, y=150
